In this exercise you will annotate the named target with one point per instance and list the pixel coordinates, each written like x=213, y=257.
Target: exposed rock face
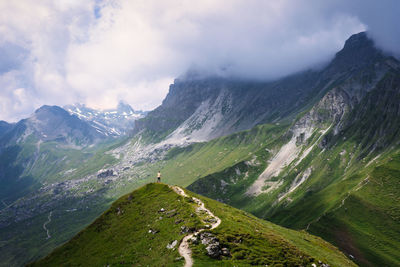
x=359, y=96
x=199, y=109
x=375, y=120
x=358, y=52
x=213, y=107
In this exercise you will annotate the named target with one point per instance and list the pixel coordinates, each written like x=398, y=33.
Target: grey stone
x=172, y=244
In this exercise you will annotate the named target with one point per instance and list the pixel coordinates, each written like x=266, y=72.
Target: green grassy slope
x=121, y=236
x=185, y=165
x=345, y=200
x=367, y=224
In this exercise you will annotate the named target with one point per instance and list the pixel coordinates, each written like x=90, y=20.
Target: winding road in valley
x=184, y=249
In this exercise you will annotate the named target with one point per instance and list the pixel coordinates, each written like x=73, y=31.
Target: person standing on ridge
x=159, y=177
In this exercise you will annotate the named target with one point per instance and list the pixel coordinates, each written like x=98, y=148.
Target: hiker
x=159, y=177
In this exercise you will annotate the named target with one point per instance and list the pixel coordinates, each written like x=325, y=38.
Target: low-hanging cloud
x=99, y=52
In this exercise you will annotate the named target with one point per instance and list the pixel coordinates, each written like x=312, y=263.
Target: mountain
x=147, y=226
x=41, y=148
x=114, y=122
x=4, y=127
x=317, y=151
x=334, y=171
x=52, y=123
x=200, y=109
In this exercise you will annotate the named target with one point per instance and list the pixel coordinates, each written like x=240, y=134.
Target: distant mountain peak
x=124, y=107
x=50, y=123
x=111, y=122
x=47, y=108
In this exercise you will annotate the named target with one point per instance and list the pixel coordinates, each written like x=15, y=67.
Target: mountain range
x=316, y=151
x=112, y=122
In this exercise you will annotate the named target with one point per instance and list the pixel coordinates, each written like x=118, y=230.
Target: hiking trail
x=184, y=249
x=45, y=225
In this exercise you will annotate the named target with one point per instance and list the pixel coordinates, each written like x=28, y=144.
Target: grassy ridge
x=121, y=236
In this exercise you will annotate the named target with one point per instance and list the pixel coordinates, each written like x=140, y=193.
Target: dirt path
x=47, y=222
x=184, y=249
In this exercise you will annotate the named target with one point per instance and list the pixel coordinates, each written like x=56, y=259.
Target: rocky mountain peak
x=50, y=123
x=111, y=122
x=358, y=40
x=124, y=107
x=358, y=51
x=45, y=110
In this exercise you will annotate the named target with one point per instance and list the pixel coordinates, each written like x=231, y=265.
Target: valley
x=317, y=152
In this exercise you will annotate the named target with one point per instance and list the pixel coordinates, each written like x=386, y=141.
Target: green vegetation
x=347, y=198
x=121, y=236
x=26, y=241
x=134, y=231
x=367, y=224
x=183, y=166
x=342, y=200
x=257, y=242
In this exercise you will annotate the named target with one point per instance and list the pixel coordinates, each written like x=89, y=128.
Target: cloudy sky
x=98, y=52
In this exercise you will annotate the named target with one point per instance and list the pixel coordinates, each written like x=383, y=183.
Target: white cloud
x=99, y=52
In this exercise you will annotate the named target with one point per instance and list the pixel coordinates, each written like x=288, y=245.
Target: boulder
x=212, y=244
x=172, y=244
x=214, y=250
x=225, y=252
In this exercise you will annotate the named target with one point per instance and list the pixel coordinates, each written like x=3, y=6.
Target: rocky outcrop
x=105, y=173
x=212, y=244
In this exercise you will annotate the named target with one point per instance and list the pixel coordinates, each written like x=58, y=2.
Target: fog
x=100, y=52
